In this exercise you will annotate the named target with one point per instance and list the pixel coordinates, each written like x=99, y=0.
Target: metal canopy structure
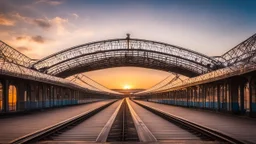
x=129, y=52
x=13, y=56
x=241, y=53
x=239, y=60
x=15, y=64
x=85, y=81
x=126, y=52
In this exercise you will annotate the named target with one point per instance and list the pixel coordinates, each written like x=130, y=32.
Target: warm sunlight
x=127, y=87
x=135, y=77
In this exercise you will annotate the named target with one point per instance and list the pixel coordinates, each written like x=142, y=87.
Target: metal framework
x=205, y=78
x=14, y=63
x=242, y=53
x=126, y=52
x=159, y=85
x=15, y=70
x=129, y=52
x=240, y=59
x=12, y=55
x=164, y=84
x=85, y=81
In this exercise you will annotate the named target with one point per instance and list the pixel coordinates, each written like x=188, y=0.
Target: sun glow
x=127, y=87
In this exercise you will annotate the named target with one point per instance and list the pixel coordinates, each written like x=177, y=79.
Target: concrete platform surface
x=238, y=127
x=162, y=129
x=89, y=129
x=15, y=127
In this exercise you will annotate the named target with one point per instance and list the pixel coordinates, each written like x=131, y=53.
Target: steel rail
x=206, y=131
x=144, y=133
x=102, y=137
x=123, y=128
x=43, y=133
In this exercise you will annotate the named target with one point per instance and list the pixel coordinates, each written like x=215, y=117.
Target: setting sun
x=127, y=87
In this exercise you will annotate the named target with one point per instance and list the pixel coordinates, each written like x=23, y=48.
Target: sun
x=127, y=87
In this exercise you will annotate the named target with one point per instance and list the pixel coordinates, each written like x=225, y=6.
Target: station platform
x=235, y=126
x=90, y=129
x=163, y=130
x=21, y=125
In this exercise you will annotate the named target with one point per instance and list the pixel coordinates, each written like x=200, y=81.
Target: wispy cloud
x=21, y=37
x=6, y=21
x=50, y=2
x=23, y=49
x=38, y=39
x=27, y=38
x=75, y=15
x=42, y=23
x=60, y=25
x=18, y=16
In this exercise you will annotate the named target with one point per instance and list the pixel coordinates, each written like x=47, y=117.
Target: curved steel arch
x=117, y=58
x=126, y=52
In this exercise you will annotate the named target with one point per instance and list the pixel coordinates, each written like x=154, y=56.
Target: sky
x=38, y=28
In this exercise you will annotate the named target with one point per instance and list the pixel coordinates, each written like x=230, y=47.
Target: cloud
x=21, y=37
x=22, y=18
x=38, y=39
x=5, y=21
x=42, y=23
x=60, y=25
x=26, y=38
x=50, y=2
x=23, y=49
x=75, y=15
x=59, y=20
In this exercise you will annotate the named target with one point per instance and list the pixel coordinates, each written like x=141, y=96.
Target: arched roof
x=126, y=52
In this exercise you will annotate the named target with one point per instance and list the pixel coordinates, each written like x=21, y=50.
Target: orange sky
x=117, y=78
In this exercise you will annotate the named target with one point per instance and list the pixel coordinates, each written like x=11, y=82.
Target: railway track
x=51, y=131
x=122, y=124
x=123, y=128
x=206, y=134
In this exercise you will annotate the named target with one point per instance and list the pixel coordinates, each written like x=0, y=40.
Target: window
x=1, y=97
x=12, y=98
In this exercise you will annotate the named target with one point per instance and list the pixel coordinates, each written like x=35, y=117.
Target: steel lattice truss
x=14, y=63
x=131, y=52
x=85, y=81
x=241, y=53
x=14, y=70
x=205, y=78
x=168, y=80
x=239, y=60
x=126, y=52
x=11, y=55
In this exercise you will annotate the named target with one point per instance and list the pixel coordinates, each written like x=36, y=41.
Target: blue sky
x=201, y=25
x=41, y=27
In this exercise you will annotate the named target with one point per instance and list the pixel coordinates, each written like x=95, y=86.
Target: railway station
x=204, y=99
x=218, y=89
